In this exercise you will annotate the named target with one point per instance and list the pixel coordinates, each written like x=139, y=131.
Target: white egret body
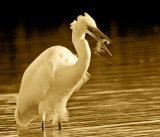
x=54, y=75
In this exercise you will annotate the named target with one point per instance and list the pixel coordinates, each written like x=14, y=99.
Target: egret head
x=86, y=24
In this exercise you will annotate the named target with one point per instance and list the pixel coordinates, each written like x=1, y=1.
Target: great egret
x=55, y=74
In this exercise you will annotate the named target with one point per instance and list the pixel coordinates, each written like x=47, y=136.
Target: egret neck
x=83, y=50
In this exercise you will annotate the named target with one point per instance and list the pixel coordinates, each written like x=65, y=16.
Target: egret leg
x=59, y=125
x=43, y=125
x=43, y=121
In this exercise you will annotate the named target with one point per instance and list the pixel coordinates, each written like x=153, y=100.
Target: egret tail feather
x=23, y=120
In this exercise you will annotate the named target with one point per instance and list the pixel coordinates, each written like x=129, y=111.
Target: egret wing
x=35, y=84
x=37, y=80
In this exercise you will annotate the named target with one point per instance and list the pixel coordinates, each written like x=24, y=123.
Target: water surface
x=119, y=100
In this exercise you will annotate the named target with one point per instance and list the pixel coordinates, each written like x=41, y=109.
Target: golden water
x=119, y=100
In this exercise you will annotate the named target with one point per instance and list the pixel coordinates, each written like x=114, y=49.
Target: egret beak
x=99, y=37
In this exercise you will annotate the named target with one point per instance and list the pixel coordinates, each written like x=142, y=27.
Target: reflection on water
x=119, y=100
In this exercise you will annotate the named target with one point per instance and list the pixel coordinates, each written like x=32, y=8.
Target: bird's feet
x=59, y=126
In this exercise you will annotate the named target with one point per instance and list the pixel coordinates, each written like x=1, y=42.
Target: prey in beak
x=100, y=38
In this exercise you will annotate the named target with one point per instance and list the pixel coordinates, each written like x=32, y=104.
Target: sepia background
x=121, y=99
